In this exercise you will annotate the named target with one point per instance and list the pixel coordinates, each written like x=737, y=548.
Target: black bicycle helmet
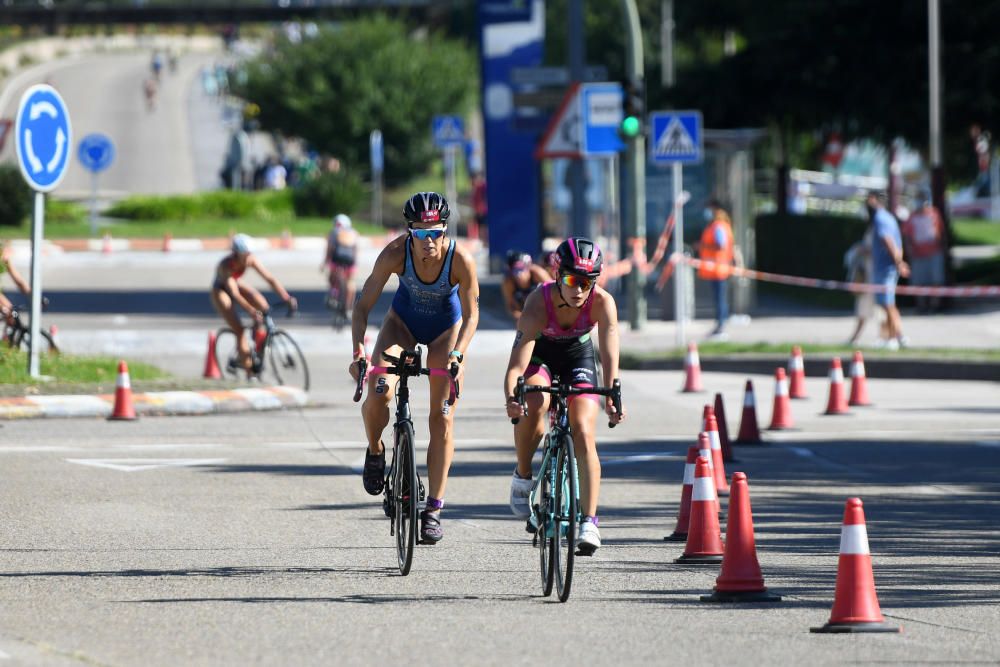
x=580, y=256
x=517, y=256
x=426, y=207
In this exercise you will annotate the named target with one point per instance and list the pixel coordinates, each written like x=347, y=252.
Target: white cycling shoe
x=520, y=490
x=588, y=539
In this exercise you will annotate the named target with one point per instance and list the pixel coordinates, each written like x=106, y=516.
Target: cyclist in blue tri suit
x=437, y=305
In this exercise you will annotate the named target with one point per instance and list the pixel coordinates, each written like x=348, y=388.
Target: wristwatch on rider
x=458, y=356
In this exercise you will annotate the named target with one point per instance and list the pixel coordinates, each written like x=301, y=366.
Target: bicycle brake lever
x=362, y=374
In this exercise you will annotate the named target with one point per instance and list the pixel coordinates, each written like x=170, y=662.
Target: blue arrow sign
x=677, y=137
x=43, y=137
x=602, y=114
x=96, y=152
x=448, y=131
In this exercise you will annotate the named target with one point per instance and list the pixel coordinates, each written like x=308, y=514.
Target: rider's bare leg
x=223, y=304
x=382, y=387
x=441, y=447
x=583, y=414
x=529, y=430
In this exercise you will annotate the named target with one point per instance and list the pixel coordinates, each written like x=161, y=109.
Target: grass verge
x=63, y=370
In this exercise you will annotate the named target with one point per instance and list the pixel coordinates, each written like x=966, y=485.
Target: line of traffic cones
x=692, y=370
x=123, y=409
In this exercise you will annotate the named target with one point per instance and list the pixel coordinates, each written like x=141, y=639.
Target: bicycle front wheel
x=405, y=494
x=227, y=354
x=545, y=535
x=566, y=508
x=287, y=361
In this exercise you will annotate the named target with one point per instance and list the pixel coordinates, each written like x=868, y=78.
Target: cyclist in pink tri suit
x=554, y=339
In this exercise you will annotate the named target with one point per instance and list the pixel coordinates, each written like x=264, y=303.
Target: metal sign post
x=376, y=147
x=43, y=136
x=448, y=133
x=677, y=139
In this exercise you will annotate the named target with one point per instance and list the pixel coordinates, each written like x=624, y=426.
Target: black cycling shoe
x=373, y=475
x=430, y=528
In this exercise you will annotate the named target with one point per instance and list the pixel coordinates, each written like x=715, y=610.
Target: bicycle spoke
x=227, y=354
x=287, y=362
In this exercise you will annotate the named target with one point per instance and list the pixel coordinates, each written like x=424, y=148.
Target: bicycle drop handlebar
x=614, y=391
x=407, y=364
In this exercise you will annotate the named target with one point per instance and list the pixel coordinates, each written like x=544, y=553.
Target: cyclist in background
x=437, y=305
x=553, y=339
x=7, y=267
x=229, y=289
x=550, y=262
x=341, y=256
x=521, y=277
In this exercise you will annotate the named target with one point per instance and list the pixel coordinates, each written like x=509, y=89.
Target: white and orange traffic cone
x=749, y=433
x=796, y=374
x=837, y=403
x=705, y=449
x=704, y=541
x=718, y=468
x=123, y=409
x=53, y=331
x=740, y=579
x=106, y=244
x=167, y=240
x=286, y=239
x=212, y=371
x=684, y=514
x=855, y=603
x=859, y=383
x=720, y=420
x=692, y=370
x=781, y=415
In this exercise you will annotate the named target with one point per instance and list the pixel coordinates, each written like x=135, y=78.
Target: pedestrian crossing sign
x=677, y=137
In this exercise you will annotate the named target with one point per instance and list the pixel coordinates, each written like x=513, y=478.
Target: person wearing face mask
x=554, y=339
x=437, y=305
x=717, y=251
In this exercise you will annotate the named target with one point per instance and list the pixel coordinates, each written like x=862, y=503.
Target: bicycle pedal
x=530, y=527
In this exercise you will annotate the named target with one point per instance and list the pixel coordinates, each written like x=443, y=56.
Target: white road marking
x=802, y=451
x=137, y=465
x=177, y=445
x=638, y=458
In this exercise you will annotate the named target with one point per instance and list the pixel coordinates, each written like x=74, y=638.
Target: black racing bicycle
x=17, y=333
x=555, y=495
x=403, y=490
x=274, y=356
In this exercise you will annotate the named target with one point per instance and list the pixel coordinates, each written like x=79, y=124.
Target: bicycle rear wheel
x=48, y=346
x=227, y=355
x=405, y=492
x=546, y=541
x=566, y=507
x=287, y=361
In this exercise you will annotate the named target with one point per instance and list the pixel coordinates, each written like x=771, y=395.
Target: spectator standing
x=480, y=207
x=923, y=234
x=276, y=175
x=717, y=251
x=858, y=262
x=887, y=266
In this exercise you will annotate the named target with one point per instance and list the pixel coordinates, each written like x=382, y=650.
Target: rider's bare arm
x=463, y=267
x=21, y=283
x=389, y=261
x=233, y=287
x=507, y=288
x=606, y=314
x=254, y=263
x=539, y=275
x=529, y=327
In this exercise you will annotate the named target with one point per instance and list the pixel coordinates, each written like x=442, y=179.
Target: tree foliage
x=333, y=89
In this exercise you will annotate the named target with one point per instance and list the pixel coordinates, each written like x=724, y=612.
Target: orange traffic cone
x=720, y=420
x=684, y=515
x=718, y=468
x=796, y=374
x=286, y=239
x=692, y=370
x=705, y=449
x=837, y=405
x=859, y=383
x=855, y=603
x=53, y=331
x=704, y=542
x=106, y=245
x=781, y=415
x=167, y=238
x=123, y=410
x=211, y=363
x=740, y=579
x=749, y=433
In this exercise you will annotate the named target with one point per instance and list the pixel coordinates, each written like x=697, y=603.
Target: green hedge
x=329, y=194
x=217, y=204
x=15, y=196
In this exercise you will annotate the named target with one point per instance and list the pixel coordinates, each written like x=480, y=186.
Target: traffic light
x=633, y=108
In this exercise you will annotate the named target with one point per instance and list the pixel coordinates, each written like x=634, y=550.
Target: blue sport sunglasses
x=425, y=234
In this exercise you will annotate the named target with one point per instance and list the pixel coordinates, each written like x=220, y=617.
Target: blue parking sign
x=96, y=152
x=43, y=137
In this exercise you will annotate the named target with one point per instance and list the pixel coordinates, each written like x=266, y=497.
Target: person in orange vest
x=718, y=250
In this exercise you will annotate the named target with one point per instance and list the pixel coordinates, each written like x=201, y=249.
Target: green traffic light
x=630, y=126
